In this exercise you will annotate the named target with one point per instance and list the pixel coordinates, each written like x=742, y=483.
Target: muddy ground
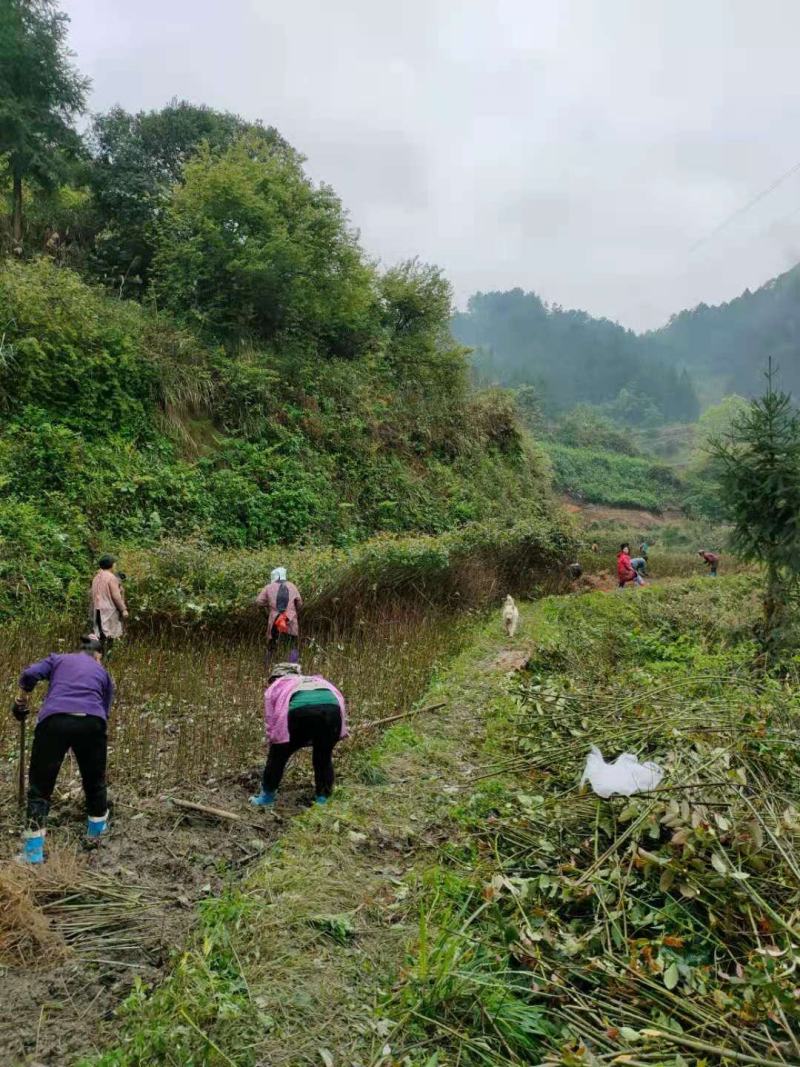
x=162, y=860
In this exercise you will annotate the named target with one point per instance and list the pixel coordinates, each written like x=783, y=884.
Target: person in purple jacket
x=73, y=715
x=300, y=711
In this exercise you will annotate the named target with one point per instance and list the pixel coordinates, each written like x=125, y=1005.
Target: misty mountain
x=731, y=343
x=570, y=357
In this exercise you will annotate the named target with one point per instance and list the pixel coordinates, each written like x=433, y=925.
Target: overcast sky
x=579, y=148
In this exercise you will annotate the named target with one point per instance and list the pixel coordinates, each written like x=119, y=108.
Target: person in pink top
x=108, y=606
x=300, y=711
x=283, y=601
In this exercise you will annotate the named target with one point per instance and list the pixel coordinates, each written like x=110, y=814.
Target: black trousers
x=317, y=725
x=281, y=647
x=52, y=739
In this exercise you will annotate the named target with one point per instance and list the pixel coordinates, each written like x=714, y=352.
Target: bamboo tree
x=758, y=464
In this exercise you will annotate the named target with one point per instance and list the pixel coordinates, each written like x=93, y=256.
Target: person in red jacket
x=625, y=571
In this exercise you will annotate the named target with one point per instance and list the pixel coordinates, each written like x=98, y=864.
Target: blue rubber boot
x=33, y=846
x=96, y=826
x=263, y=800
x=320, y=800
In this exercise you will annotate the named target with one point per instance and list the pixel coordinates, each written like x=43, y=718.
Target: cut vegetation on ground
x=463, y=903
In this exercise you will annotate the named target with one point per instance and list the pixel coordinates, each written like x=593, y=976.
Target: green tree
x=586, y=427
x=136, y=162
x=717, y=420
x=421, y=355
x=759, y=476
x=41, y=93
x=249, y=248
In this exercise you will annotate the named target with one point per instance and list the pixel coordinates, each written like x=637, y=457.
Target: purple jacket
x=79, y=685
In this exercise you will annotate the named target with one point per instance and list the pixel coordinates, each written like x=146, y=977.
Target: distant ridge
x=571, y=357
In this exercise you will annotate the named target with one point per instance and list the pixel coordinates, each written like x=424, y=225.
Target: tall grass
x=189, y=707
x=637, y=930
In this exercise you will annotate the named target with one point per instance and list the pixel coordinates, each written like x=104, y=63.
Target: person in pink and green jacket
x=299, y=712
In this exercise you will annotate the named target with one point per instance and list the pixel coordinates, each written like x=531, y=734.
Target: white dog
x=510, y=616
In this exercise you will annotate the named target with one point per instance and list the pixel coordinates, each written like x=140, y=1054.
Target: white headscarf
x=278, y=575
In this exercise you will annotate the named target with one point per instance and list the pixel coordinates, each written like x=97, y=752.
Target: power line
x=745, y=207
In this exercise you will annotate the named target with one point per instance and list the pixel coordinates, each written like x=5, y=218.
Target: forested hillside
x=571, y=357
x=122, y=427
x=732, y=342
x=196, y=346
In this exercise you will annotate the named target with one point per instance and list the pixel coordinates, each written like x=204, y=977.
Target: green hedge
x=194, y=585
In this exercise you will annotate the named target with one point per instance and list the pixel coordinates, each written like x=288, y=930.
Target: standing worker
x=109, y=609
x=284, y=602
x=711, y=559
x=73, y=715
x=298, y=712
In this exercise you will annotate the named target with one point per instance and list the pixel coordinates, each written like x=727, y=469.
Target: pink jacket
x=106, y=597
x=268, y=597
x=276, y=706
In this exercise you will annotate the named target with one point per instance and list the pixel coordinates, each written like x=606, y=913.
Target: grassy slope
x=286, y=970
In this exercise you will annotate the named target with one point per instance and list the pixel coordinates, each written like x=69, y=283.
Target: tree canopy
x=41, y=93
x=730, y=344
x=137, y=159
x=248, y=247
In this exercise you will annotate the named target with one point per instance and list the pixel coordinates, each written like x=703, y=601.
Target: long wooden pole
x=393, y=718
x=21, y=779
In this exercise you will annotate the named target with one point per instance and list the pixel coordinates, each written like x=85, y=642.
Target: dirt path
x=135, y=897
x=634, y=517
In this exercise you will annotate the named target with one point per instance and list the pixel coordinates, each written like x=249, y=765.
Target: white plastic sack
x=625, y=776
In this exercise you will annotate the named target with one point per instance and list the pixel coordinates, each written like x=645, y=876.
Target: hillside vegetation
x=618, y=481
x=270, y=387
x=731, y=343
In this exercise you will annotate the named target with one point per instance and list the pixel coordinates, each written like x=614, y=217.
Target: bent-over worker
x=625, y=571
x=711, y=559
x=282, y=599
x=300, y=711
x=108, y=603
x=73, y=715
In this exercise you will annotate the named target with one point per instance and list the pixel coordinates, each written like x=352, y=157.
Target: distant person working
x=711, y=560
x=625, y=570
x=283, y=601
x=108, y=607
